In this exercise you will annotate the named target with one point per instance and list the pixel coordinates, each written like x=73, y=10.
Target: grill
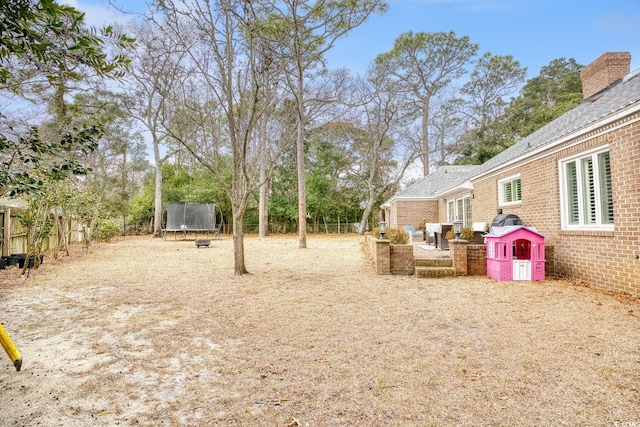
x=505, y=219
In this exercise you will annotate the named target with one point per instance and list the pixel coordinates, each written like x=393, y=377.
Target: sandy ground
x=159, y=333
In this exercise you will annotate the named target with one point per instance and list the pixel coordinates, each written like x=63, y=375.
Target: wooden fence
x=13, y=236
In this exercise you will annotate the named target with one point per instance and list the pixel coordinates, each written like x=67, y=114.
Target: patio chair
x=414, y=236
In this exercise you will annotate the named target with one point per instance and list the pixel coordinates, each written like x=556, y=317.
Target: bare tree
x=156, y=67
x=486, y=96
x=424, y=63
x=382, y=154
x=312, y=28
x=223, y=98
x=493, y=80
x=448, y=124
x=275, y=126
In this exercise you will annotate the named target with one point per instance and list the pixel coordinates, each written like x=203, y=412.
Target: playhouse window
x=509, y=190
x=522, y=249
x=586, y=196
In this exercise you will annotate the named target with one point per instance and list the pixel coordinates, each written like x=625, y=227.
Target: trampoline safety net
x=191, y=216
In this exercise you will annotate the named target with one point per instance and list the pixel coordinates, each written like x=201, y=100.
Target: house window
x=509, y=190
x=459, y=208
x=451, y=211
x=586, y=196
x=466, y=221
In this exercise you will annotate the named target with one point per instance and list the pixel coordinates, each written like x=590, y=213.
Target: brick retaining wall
x=477, y=260
x=402, y=260
x=398, y=259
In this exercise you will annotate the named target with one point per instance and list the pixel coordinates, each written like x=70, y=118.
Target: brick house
x=576, y=180
x=427, y=199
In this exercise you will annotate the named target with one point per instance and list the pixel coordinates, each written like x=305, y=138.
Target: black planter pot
x=21, y=259
x=12, y=260
x=3, y=263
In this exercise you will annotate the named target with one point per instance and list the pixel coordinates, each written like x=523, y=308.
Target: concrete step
x=433, y=262
x=435, y=272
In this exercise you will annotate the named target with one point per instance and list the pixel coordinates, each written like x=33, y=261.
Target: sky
x=534, y=32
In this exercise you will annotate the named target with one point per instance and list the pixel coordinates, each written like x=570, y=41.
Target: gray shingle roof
x=618, y=97
x=443, y=179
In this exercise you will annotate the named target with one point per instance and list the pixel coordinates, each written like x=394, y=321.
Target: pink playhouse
x=515, y=252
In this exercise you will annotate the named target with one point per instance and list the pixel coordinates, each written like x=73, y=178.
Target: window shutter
x=572, y=193
x=588, y=191
x=507, y=192
x=517, y=194
x=606, y=195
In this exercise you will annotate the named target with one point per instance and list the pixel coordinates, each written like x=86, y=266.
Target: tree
x=493, y=80
x=486, y=97
x=448, y=125
x=221, y=97
x=156, y=70
x=33, y=33
x=555, y=91
x=380, y=153
x=283, y=202
x=328, y=162
x=44, y=50
x=424, y=63
x=118, y=162
x=305, y=30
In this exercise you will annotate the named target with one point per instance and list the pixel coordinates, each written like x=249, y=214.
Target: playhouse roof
x=508, y=229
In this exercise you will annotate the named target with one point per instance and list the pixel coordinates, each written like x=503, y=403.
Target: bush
x=106, y=229
x=393, y=235
x=467, y=234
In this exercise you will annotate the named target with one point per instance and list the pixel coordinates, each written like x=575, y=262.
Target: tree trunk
x=157, y=217
x=302, y=184
x=263, y=212
x=365, y=218
x=238, y=245
x=61, y=245
x=425, y=135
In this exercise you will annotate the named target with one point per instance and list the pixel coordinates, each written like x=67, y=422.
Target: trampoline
x=191, y=218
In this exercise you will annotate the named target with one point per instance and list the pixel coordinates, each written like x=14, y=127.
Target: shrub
x=393, y=235
x=397, y=236
x=467, y=234
x=106, y=229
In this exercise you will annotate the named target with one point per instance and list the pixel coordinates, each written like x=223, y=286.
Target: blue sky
x=533, y=31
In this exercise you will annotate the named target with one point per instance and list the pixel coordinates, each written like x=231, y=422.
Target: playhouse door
x=521, y=269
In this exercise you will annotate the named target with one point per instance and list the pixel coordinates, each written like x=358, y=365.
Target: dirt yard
x=160, y=333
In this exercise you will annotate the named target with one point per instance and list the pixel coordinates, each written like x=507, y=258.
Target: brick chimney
x=605, y=70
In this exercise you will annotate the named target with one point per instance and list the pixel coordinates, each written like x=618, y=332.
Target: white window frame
x=503, y=189
x=569, y=221
x=460, y=208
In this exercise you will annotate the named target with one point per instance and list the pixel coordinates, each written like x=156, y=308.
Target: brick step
x=434, y=272
x=433, y=262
